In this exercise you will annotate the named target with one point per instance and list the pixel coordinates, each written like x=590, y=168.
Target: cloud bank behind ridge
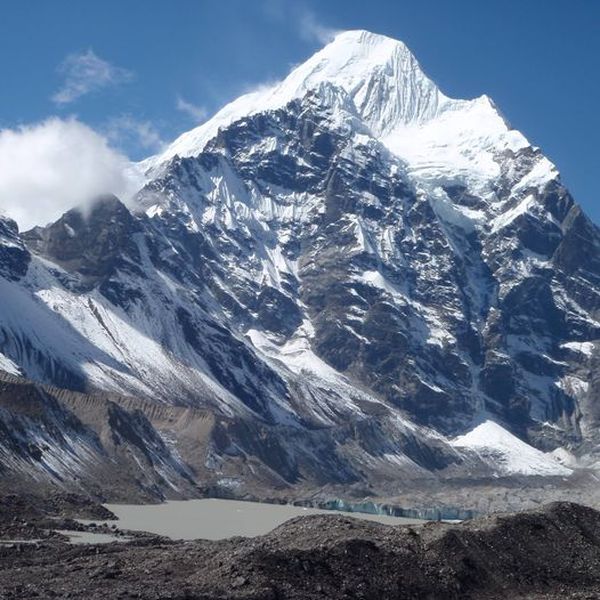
x=51, y=167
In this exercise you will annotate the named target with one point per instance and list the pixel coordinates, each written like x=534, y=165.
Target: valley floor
x=553, y=552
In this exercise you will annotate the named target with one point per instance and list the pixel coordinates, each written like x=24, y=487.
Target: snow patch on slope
x=462, y=142
x=6, y=364
x=586, y=348
x=296, y=354
x=506, y=218
x=507, y=454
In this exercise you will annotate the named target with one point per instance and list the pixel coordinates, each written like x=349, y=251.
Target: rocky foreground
x=553, y=552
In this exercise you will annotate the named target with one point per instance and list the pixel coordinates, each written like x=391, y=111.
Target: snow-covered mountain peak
x=374, y=85
x=380, y=75
x=348, y=269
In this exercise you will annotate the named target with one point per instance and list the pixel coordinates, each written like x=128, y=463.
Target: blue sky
x=160, y=67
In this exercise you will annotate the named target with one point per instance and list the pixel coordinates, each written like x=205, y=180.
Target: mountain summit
x=345, y=278
x=383, y=83
x=380, y=75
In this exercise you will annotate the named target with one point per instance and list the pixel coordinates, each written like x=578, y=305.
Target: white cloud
x=197, y=113
x=51, y=167
x=126, y=129
x=84, y=73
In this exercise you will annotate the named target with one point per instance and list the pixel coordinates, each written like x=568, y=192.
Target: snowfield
x=507, y=454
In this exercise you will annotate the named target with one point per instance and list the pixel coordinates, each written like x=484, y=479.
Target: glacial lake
x=215, y=519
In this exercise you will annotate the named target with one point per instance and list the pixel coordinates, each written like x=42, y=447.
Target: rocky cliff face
x=14, y=258
x=108, y=446
x=369, y=281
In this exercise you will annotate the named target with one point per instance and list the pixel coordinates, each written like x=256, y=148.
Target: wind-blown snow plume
x=301, y=18
x=50, y=167
x=311, y=30
x=196, y=112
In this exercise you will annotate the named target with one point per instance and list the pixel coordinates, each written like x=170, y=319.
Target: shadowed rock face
x=550, y=553
x=92, y=244
x=14, y=257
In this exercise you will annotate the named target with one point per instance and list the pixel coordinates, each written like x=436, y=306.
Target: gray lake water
x=215, y=519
